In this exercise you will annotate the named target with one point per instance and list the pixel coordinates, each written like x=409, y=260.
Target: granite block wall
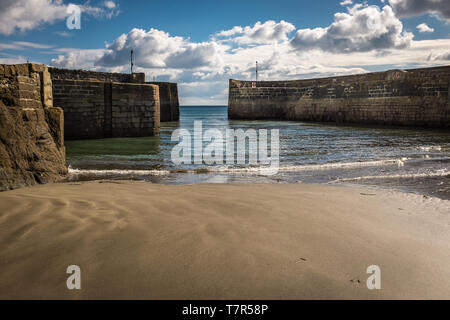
x=170, y=106
x=95, y=109
x=135, y=110
x=418, y=98
x=99, y=123
x=84, y=106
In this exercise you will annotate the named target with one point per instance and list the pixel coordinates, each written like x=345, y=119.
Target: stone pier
x=415, y=98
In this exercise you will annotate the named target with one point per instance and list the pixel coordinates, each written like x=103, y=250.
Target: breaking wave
x=440, y=173
x=231, y=169
x=95, y=172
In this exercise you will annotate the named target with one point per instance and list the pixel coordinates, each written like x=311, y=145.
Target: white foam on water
x=439, y=173
x=316, y=167
x=348, y=165
x=73, y=172
x=257, y=170
x=430, y=148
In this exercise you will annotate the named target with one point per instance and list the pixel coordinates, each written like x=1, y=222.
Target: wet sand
x=136, y=240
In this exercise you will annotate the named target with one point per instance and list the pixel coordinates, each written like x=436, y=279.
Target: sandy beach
x=136, y=240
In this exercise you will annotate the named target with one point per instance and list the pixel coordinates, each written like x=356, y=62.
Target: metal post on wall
x=131, y=61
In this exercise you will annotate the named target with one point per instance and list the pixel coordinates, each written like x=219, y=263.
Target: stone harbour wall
x=102, y=109
x=85, y=98
x=417, y=98
x=170, y=106
x=31, y=129
x=83, y=103
x=135, y=110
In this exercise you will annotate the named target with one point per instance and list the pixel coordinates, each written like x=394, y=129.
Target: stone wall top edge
x=161, y=83
x=56, y=69
x=21, y=69
x=100, y=75
x=135, y=84
x=22, y=64
x=96, y=81
x=370, y=74
x=80, y=80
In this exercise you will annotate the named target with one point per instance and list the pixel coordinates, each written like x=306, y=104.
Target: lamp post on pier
x=131, y=61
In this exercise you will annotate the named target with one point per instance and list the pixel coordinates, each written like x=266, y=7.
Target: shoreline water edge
x=409, y=160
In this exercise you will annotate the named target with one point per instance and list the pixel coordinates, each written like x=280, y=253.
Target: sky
x=201, y=44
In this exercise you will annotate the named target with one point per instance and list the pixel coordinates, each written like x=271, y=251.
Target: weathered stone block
x=31, y=146
x=46, y=89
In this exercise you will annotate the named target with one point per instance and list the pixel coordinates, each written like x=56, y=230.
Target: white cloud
x=13, y=60
x=203, y=93
x=230, y=32
x=33, y=45
x=346, y=3
x=363, y=28
x=158, y=49
x=109, y=10
x=151, y=48
x=26, y=15
x=195, y=55
x=442, y=56
x=423, y=27
x=267, y=32
x=77, y=58
x=109, y=4
x=24, y=45
x=349, y=45
x=411, y=8
x=9, y=46
x=63, y=33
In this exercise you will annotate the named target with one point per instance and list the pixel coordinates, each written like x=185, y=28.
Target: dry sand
x=144, y=241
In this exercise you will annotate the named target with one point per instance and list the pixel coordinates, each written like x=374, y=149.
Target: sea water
x=403, y=159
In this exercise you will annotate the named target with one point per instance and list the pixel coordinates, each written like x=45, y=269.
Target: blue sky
x=202, y=43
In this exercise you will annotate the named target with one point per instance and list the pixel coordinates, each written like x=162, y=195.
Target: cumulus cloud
x=207, y=84
x=423, y=27
x=195, y=55
x=441, y=56
x=267, y=32
x=77, y=59
x=362, y=28
x=410, y=8
x=26, y=15
x=151, y=48
x=362, y=36
x=158, y=49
